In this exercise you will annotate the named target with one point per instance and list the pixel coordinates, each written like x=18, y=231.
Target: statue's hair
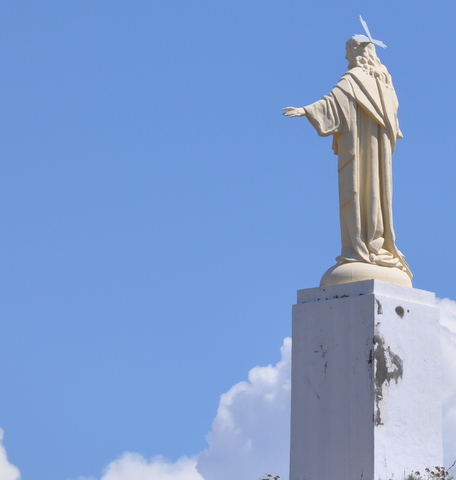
x=366, y=58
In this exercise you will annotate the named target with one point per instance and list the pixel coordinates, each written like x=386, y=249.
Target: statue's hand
x=294, y=112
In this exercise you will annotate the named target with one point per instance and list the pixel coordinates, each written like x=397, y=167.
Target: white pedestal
x=365, y=395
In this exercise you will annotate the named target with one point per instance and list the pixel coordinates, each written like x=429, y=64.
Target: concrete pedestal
x=365, y=396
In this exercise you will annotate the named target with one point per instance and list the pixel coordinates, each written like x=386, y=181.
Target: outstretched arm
x=294, y=112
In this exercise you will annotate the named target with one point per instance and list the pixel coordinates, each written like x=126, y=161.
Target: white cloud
x=132, y=466
x=250, y=434
x=7, y=470
x=448, y=341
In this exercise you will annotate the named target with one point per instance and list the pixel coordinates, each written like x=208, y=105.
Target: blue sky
x=158, y=213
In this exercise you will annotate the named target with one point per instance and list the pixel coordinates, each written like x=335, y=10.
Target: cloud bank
x=250, y=433
x=7, y=470
x=132, y=466
x=448, y=342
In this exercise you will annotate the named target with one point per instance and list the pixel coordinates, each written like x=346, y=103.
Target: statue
x=361, y=114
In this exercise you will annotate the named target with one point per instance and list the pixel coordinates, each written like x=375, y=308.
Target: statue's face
x=350, y=57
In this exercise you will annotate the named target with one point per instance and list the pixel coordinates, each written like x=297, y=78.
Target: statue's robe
x=361, y=114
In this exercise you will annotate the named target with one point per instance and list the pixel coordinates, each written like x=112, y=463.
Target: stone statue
x=361, y=114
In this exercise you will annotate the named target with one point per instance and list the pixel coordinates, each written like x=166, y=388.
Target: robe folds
x=361, y=114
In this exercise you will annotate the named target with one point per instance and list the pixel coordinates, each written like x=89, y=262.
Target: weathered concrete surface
x=365, y=401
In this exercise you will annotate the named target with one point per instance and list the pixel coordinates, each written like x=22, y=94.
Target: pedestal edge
x=365, y=287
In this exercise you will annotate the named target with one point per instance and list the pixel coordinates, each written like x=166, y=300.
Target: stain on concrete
x=400, y=311
x=323, y=355
x=313, y=389
x=379, y=307
x=371, y=358
x=387, y=367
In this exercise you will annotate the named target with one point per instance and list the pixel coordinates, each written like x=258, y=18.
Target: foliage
x=436, y=473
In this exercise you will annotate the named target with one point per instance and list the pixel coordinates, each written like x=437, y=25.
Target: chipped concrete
x=387, y=367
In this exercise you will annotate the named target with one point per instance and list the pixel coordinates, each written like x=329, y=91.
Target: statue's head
x=359, y=53
x=363, y=54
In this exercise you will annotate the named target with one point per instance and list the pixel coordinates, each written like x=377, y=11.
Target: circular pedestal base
x=358, y=271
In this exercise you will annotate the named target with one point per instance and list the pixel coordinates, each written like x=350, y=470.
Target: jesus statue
x=361, y=115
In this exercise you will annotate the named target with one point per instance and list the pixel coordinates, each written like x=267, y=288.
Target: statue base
x=358, y=271
x=365, y=382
